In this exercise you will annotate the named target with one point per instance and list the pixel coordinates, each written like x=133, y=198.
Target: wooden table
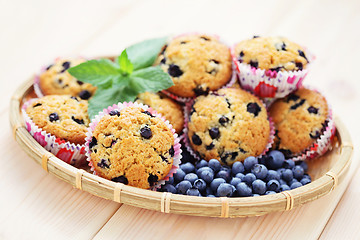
x=36, y=205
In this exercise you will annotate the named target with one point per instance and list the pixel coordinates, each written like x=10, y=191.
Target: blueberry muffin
x=169, y=109
x=63, y=116
x=132, y=146
x=56, y=80
x=300, y=118
x=228, y=125
x=271, y=53
x=197, y=64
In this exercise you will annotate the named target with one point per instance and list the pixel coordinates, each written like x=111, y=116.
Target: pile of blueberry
x=269, y=174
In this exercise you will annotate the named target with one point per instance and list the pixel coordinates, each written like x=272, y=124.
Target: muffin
x=63, y=116
x=228, y=125
x=197, y=64
x=132, y=145
x=300, y=121
x=56, y=80
x=270, y=66
x=169, y=109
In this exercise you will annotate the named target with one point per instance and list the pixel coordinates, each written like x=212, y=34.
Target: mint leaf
x=107, y=97
x=95, y=72
x=126, y=67
x=151, y=79
x=143, y=54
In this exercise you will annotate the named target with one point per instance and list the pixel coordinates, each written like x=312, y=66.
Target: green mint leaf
x=126, y=67
x=143, y=54
x=108, y=97
x=151, y=79
x=95, y=72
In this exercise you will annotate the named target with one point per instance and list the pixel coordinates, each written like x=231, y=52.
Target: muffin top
x=57, y=80
x=132, y=147
x=229, y=125
x=168, y=108
x=300, y=119
x=271, y=53
x=64, y=116
x=196, y=64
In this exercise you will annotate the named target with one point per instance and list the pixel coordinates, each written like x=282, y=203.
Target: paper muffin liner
x=70, y=153
x=323, y=142
x=268, y=83
x=119, y=107
x=231, y=81
x=187, y=109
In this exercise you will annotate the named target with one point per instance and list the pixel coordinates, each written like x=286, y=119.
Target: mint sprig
x=131, y=73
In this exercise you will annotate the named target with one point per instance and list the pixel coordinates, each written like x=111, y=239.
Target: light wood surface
x=36, y=205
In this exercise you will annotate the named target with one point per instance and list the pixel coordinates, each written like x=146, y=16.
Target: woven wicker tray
x=327, y=172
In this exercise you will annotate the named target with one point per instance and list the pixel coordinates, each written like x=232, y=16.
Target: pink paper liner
x=322, y=143
x=187, y=109
x=70, y=153
x=232, y=80
x=267, y=83
x=120, y=106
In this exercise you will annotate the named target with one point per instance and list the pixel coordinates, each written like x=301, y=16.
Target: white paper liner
x=267, y=83
x=70, y=153
x=120, y=106
x=187, y=109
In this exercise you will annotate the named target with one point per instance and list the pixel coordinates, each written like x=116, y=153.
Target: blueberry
x=249, y=162
x=210, y=146
x=186, y=156
x=200, y=184
x=208, y=191
x=174, y=70
x=152, y=179
x=93, y=142
x=235, y=181
x=223, y=174
x=273, y=185
x=303, y=164
x=276, y=159
x=196, y=139
x=198, y=171
x=282, y=182
x=201, y=163
x=254, y=63
x=193, y=191
x=170, y=181
x=172, y=151
x=226, y=168
x=305, y=180
x=259, y=186
x=223, y=120
x=313, y=110
x=215, y=165
x=104, y=163
x=53, y=117
x=37, y=105
x=256, y=195
x=302, y=54
x=280, y=171
x=243, y=190
x=295, y=185
x=307, y=176
x=120, y=179
x=215, y=183
x=114, y=112
x=66, y=66
x=284, y=187
x=224, y=190
x=169, y=188
x=199, y=90
x=214, y=133
x=84, y=94
x=187, y=167
x=296, y=105
x=249, y=178
x=191, y=177
x=272, y=175
x=289, y=164
x=145, y=132
x=210, y=195
x=263, y=160
x=237, y=167
x=294, y=180
x=269, y=192
x=253, y=108
x=241, y=176
x=260, y=171
x=207, y=175
x=179, y=175
x=80, y=82
x=287, y=175
x=298, y=172
x=183, y=186
x=78, y=121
